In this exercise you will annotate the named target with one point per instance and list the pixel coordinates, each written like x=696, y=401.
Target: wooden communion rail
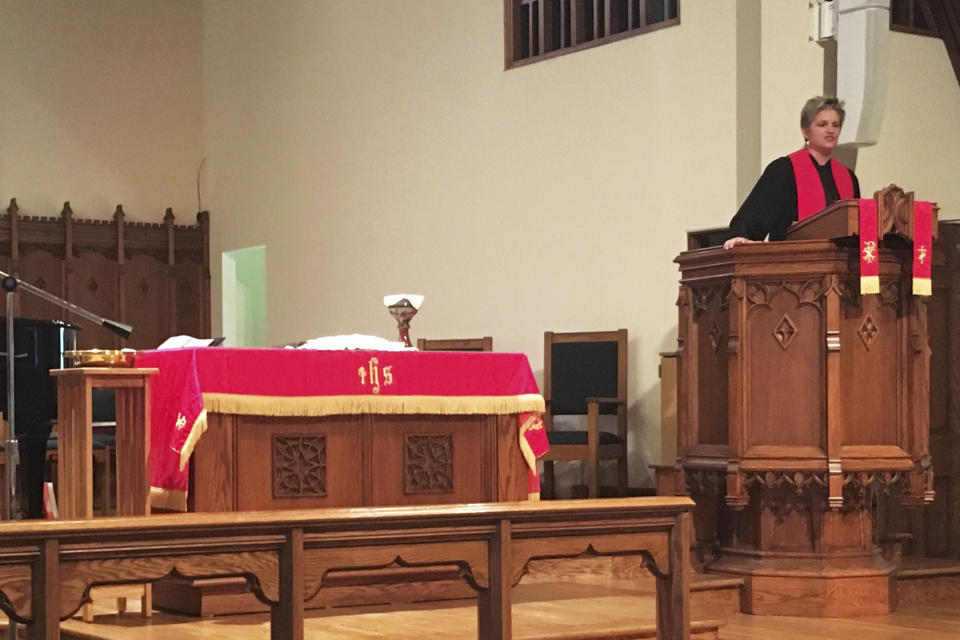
x=47, y=568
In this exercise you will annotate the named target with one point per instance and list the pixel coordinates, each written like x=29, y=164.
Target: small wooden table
x=75, y=438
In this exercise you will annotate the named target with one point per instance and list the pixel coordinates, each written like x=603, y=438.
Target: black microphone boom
x=122, y=330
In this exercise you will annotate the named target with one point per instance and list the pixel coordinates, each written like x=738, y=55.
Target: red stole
x=869, y=247
x=922, y=248
x=810, y=196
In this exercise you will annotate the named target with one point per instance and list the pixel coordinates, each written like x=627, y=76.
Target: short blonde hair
x=816, y=104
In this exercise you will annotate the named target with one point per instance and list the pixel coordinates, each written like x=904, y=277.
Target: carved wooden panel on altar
x=155, y=277
x=281, y=462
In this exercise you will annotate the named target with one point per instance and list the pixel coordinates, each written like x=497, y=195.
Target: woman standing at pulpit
x=799, y=185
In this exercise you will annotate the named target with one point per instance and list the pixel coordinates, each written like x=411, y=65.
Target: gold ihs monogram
x=373, y=371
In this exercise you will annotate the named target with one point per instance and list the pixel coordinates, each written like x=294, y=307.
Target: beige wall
x=377, y=147
x=918, y=143
x=380, y=147
x=100, y=104
x=791, y=71
x=919, y=147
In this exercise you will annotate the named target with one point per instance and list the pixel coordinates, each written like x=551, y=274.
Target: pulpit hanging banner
x=922, y=248
x=870, y=244
x=869, y=248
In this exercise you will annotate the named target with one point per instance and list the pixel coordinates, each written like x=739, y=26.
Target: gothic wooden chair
x=585, y=374
x=456, y=344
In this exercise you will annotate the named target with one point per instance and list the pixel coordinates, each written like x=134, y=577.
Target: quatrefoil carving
x=785, y=332
x=868, y=331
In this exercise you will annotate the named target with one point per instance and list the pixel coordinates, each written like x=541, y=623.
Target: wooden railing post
x=673, y=589
x=494, y=620
x=286, y=618
x=481, y=539
x=45, y=592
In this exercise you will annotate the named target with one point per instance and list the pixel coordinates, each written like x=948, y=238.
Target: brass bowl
x=102, y=357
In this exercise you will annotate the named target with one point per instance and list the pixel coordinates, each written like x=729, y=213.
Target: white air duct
x=862, y=34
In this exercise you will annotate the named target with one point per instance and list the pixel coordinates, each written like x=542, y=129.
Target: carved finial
x=118, y=214
x=66, y=212
x=894, y=211
x=13, y=208
x=203, y=217
x=168, y=216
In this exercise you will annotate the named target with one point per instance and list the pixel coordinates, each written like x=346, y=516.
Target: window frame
x=510, y=38
x=914, y=6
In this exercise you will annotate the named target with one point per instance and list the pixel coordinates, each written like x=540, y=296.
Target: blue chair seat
x=100, y=441
x=580, y=437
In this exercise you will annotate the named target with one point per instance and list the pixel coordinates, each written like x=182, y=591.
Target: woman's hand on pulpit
x=732, y=242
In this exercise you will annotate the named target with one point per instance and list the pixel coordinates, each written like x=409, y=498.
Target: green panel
x=245, y=297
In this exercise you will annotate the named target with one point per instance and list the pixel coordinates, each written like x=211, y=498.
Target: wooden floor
x=939, y=621
x=568, y=610
x=565, y=610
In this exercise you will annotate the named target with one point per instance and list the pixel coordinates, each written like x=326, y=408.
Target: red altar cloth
x=302, y=382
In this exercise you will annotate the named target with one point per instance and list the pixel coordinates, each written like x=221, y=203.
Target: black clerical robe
x=771, y=207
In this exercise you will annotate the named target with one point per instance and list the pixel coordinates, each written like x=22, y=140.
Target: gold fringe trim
x=525, y=449
x=346, y=405
x=528, y=455
x=922, y=287
x=171, y=499
x=198, y=429
x=869, y=284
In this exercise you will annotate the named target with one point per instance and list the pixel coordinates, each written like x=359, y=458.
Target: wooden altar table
x=289, y=428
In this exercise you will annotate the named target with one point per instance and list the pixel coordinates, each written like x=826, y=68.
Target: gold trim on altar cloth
x=171, y=499
x=345, y=405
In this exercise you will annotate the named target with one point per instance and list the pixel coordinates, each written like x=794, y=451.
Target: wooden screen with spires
x=153, y=276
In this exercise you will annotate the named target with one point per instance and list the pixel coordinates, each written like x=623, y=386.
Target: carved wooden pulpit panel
x=799, y=400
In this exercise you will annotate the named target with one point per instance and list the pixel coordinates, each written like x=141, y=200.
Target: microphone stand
x=10, y=284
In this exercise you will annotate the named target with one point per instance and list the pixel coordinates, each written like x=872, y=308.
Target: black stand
x=12, y=447
x=12, y=498
x=11, y=285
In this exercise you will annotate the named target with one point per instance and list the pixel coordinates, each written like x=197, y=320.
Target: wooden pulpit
x=800, y=401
